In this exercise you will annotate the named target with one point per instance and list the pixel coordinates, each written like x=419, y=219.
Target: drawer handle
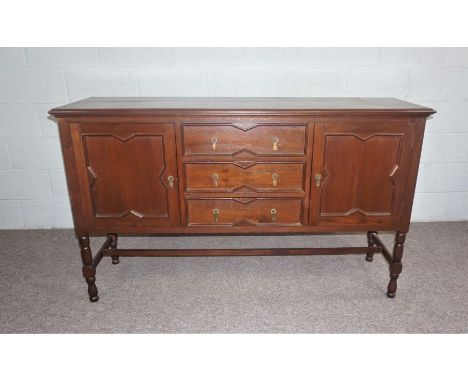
x=214, y=141
x=215, y=180
x=216, y=215
x=318, y=178
x=273, y=214
x=274, y=178
x=171, y=179
x=275, y=144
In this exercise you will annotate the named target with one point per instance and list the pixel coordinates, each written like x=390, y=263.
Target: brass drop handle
x=171, y=179
x=214, y=141
x=216, y=214
x=275, y=144
x=273, y=214
x=215, y=180
x=318, y=178
x=274, y=178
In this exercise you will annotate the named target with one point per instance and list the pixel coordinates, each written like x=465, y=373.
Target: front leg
x=396, y=266
x=89, y=271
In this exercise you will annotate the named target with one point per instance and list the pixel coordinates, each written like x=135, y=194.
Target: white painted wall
x=33, y=192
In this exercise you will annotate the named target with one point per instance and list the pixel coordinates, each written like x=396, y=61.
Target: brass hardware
x=273, y=214
x=215, y=214
x=171, y=179
x=318, y=178
x=274, y=178
x=137, y=214
x=215, y=180
x=214, y=141
x=275, y=144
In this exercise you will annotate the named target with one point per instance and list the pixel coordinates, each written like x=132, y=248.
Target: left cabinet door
x=127, y=173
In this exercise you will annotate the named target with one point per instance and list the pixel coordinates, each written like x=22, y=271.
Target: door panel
x=362, y=168
x=128, y=168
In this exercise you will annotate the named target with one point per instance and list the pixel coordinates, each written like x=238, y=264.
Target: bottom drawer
x=245, y=211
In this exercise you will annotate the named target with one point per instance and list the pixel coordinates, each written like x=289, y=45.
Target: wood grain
x=237, y=141
x=245, y=212
x=232, y=178
x=182, y=166
x=238, y=105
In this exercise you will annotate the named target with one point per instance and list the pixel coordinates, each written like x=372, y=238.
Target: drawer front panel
x=245, y=212
x=260, y=177
x=261, y=140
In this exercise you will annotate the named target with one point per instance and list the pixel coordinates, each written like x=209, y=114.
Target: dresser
x=181, y=166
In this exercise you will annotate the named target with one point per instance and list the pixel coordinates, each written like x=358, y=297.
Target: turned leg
x=89, y=271
x=115, y=259
x=396, y=266
x=370, y=242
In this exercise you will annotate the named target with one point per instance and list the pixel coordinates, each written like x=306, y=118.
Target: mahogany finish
x=145, y=156
x=245, y=211
x=114, y=237
x=396, y=266
x=240, y=166
x=371, y=244
x=240, y=252
x=244, y=137
x=254, y=178
x=89, y=271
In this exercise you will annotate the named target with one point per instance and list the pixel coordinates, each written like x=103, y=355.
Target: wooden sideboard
x=240, y=166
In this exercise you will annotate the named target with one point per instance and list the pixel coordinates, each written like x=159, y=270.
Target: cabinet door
x=128, y=173
x=359, y=171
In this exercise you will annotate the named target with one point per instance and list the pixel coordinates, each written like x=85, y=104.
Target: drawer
x=245, y=212
x=266, y=140
x=228, y=177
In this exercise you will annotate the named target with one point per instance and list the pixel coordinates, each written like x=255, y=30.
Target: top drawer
x=261, y=140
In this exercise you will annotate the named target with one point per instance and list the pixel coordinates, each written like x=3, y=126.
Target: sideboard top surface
x=238, y=105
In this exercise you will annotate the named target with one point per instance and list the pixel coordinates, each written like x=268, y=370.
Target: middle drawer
x=229, y=177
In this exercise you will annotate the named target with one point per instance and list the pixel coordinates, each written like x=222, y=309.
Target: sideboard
x=166, y=166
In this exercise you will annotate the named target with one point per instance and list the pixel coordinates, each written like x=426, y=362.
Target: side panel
x=72, y=175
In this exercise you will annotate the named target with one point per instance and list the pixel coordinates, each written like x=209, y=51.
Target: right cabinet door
x=359, y=171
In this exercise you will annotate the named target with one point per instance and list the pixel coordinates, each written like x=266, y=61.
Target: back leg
x=115, y=259
x=370, y=242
